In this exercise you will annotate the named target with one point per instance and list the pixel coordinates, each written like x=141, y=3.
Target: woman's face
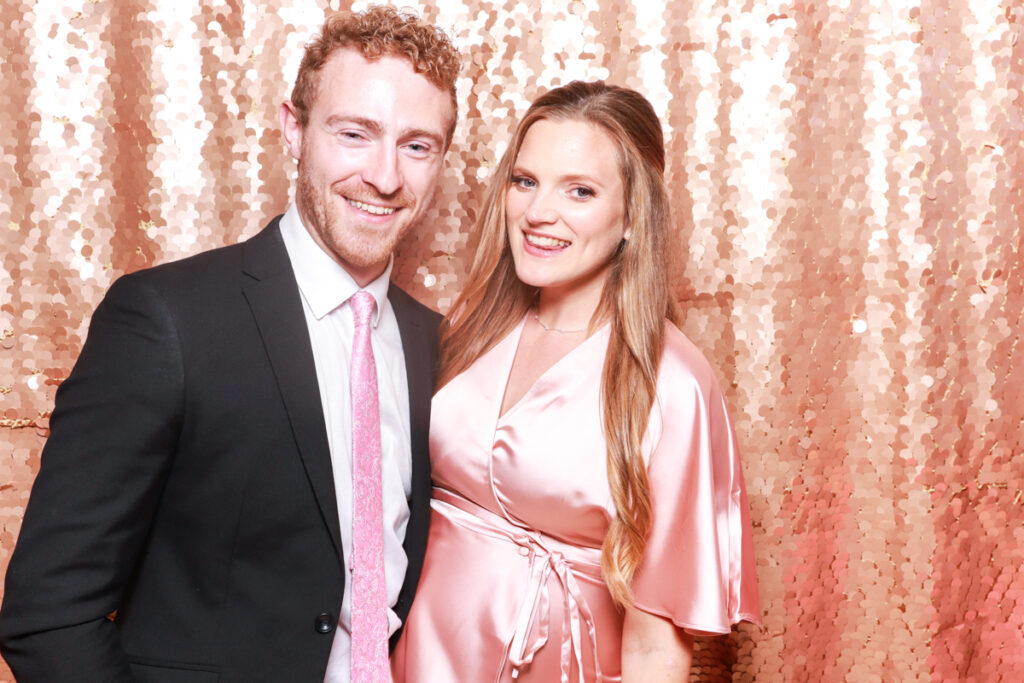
x=565, y=207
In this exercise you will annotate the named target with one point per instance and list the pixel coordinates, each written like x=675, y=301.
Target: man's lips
x=373, y=209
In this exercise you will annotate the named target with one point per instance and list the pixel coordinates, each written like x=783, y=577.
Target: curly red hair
x=375, y=33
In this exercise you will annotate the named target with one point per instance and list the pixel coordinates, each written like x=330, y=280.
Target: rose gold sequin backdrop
x=847, y=178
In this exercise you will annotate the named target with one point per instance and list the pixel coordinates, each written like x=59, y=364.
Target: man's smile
x=372, y=208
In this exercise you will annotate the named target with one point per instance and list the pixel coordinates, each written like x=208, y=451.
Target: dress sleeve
x=698, y=568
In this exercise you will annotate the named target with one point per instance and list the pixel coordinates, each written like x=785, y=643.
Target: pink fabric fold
x=511, y=586
x=698, y=567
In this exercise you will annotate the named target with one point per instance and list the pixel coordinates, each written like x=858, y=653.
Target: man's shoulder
x=405, y=304
x=204, y=270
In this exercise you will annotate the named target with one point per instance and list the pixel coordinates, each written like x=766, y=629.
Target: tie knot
x=362, y=308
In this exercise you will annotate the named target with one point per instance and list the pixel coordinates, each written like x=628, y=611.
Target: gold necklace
x=554, y=329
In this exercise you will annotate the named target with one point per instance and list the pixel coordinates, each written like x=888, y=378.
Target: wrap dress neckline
x=549, y=557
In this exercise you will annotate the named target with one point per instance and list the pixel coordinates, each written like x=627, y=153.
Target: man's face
x=369, y=157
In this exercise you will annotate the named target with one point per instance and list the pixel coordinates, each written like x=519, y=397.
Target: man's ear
x=291, y=129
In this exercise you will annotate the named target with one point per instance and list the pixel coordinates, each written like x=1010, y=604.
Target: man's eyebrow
x=423, y=133
x=375, y=128
x=336, y=120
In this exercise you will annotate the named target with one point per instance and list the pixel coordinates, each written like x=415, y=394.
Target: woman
x=589, y=514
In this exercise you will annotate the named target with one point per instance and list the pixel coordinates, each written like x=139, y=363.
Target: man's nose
x=381, y=170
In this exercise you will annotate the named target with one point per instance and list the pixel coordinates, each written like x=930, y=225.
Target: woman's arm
x=654, y=650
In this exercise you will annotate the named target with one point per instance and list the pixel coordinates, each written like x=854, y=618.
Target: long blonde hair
x=635, y=300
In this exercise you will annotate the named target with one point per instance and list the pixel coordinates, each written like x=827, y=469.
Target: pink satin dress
x=511, y=586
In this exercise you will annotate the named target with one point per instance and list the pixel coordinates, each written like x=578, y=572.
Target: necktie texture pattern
x=369, y=599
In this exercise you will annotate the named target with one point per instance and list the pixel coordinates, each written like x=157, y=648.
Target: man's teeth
x=549, y=242
x=370, y=208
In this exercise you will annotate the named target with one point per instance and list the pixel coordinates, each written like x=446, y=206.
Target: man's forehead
x=350, y=72
x=386, y=91
x=347, y=62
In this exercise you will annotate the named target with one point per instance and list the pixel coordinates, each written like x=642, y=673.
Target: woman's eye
x=523, y=183
x=581, y=192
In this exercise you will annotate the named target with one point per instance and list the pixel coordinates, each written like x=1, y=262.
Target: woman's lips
x=543, y=245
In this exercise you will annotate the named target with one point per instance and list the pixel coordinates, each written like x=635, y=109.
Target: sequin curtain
x=847, y=180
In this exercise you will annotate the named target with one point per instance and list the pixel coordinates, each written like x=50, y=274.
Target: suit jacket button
x=324, y=623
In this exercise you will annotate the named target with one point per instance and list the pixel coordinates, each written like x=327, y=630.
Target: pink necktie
x=369, y=599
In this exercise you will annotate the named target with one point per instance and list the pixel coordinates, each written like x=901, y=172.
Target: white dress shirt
x=326, y=288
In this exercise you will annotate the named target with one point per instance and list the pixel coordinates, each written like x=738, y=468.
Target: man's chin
x=363, y=257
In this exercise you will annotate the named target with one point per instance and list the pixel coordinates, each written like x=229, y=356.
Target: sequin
x=848, y=188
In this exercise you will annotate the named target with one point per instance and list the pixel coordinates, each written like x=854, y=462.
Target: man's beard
x=359, y=246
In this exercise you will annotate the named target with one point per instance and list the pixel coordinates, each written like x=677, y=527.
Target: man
x=215, y=469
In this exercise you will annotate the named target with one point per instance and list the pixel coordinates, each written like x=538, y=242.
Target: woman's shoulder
x=682, y=361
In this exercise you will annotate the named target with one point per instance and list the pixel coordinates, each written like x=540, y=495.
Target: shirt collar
x=324, y=284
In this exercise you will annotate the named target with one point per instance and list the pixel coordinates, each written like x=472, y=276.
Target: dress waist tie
x=547, y=556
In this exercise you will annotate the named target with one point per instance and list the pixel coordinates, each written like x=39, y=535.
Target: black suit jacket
x=187, y=485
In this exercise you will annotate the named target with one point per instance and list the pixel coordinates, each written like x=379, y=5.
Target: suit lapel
x=419, y=346
x=276, y=304
x=418, y=367
x=419, y=376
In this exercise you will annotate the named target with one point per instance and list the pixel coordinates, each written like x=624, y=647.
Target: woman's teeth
x=547, y=242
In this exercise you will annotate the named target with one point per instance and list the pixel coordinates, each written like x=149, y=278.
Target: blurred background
x=848, y=187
